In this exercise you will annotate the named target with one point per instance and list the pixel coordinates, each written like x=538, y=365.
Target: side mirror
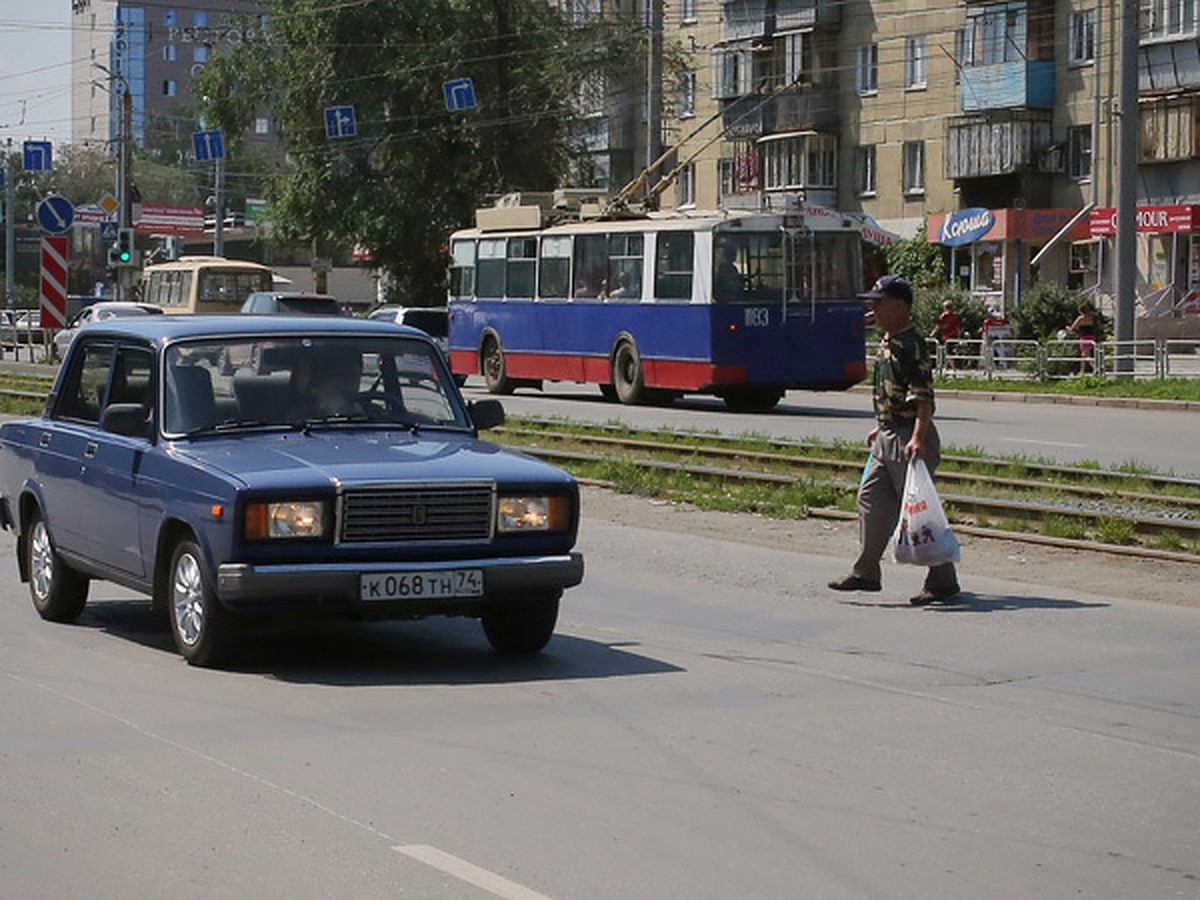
x=127, y=419
x=486, y=413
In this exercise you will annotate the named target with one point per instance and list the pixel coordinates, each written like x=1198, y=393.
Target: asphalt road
x=710, y=722
x=1165, y=440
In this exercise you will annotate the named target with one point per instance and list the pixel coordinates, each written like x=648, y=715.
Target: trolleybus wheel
x=494, y=375
x=752, y=399
x=628, y=379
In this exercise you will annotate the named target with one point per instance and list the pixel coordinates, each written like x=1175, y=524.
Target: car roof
x=164, y=329
x=293, y=295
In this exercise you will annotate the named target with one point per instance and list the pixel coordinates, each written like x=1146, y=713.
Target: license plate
x=422, y=585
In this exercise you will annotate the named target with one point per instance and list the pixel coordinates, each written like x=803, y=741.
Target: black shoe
x=854, y=583
x=927, y=596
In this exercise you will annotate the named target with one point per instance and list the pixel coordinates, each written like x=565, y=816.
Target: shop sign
x=1150, y=220
x=965, y=226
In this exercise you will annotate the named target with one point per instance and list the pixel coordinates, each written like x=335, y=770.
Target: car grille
x=438, y=513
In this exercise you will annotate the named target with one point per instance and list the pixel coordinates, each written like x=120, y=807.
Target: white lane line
x=468, y=872
x=1043, y=443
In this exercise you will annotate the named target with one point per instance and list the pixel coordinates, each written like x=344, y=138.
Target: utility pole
x=10, y=233
x=654, y=86
x=1127, y=163
x=219, y=203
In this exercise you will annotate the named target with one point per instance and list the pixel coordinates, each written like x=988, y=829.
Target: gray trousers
x=879, y=499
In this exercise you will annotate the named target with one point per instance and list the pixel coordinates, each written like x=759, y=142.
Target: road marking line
x=1043, y=443
x=468, y=872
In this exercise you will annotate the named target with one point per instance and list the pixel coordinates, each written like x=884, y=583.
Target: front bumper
x=249, y=587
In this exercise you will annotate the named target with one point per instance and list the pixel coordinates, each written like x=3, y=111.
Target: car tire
x=200, y=625
x=521, y=627
x=59, y=592
x=495, y=374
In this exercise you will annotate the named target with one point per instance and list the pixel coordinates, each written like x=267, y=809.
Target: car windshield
x=306, y=382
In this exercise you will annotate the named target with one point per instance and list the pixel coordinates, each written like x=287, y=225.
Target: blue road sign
x=460, y=94
x=55, y=214
x=208, y=145
x=339, y=122
x=108, y=230
x=37, y=156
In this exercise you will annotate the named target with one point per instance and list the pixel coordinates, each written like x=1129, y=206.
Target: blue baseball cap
x=890, y=286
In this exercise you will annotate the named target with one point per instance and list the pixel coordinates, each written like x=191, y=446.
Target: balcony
x=806, y=108
x=1020, y=84
x=1003, y=142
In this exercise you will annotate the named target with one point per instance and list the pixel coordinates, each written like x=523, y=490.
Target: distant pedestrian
x=948, y=331
x=904, y=405
x=1085, y=329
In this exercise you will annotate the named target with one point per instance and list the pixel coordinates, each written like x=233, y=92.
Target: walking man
x=903, y=399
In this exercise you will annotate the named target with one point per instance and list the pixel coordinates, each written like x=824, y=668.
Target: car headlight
x=536, y=513
x=285, y=519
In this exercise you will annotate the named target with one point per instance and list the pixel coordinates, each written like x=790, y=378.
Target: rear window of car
x=309, y=306
x=431, y=321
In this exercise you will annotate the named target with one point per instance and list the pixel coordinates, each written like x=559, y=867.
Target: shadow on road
x=984, y=603
x=342, y=653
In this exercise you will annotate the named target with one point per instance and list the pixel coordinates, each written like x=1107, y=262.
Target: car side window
x=83, y=389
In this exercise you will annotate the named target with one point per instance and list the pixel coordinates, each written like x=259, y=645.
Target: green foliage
x=1047, y=308
x=922, y=263
x=415, y=171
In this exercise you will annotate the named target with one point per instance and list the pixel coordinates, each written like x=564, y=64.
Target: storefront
x=1168, y=256
x=990, y=249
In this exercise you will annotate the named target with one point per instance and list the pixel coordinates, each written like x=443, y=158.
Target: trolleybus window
x=673, y=266
x=591, y=265
x=625, y=265
x=554, y=278
x=462, y=270
x=522, y=262
x=490, y=268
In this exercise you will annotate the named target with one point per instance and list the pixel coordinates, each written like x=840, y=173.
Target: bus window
x=462, y=269
x=489, y=270
x=521, y=268
x=673, y=266
x=591, y=265
x=748, y=265
x=625, y=265
x=555, y=267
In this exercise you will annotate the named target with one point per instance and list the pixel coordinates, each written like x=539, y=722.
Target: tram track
x=1131, y=513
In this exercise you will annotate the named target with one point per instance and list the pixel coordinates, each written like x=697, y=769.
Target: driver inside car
x=326, y=382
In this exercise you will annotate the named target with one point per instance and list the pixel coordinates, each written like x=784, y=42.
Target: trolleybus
x=742, y=306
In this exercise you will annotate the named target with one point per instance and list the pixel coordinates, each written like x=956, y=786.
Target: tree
x=414, y=171
x=921, y=262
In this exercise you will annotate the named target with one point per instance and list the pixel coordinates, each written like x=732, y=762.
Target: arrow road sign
x=339, y=122
x=37, y=156
x=55, y=214
x=460, y=94
x=208, y=145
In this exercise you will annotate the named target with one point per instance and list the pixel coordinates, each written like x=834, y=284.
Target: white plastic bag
x=923, y=536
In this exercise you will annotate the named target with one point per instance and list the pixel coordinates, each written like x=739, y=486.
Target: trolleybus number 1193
x=757, y=317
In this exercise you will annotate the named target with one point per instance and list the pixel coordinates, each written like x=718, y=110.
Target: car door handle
x=45, y=439
x=89, y=452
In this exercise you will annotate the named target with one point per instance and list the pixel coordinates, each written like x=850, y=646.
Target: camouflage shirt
x=903, y=377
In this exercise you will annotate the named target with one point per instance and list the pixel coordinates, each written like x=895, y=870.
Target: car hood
x=322, y=457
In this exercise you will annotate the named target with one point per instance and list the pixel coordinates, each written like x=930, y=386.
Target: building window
x=914, y=63
x=1168, y=19
x=262, y=125
x=995, y=34
x=200, y=19
x=200, y=53
x=1083, y=37
x=169, y=18
x=170, y=88
x=1079, y=152
x=685, y=189
x=867, y=69
x=730, y=74
x=864, y=166
x=914, y=167
x=169, y=53
x=687, y=11
x=687, y=95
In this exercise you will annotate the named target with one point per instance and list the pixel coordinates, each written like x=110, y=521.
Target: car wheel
x=628, y=378
x=523, y=627
x=59, y=592
x=199, y=623
x=495, y=375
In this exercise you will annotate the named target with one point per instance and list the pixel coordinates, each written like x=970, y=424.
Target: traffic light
x=122, y=253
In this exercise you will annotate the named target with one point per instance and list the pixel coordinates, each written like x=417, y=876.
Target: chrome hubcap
x=187, y=599
x=41, y=561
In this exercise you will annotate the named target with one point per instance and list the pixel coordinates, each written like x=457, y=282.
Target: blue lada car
x=231, y=467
